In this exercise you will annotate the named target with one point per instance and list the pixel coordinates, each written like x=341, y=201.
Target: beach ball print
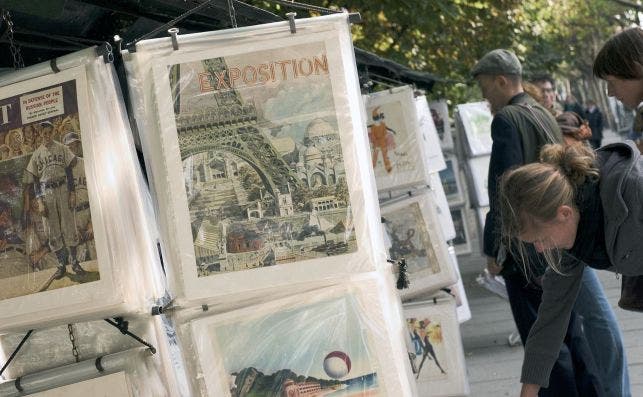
x=337, y=364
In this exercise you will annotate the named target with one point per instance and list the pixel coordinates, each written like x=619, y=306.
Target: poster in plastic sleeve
x=104, y=386
x=437, y=355
x=442, y=207
x=52, y=243
x=479, y=175
x=476, y=119
x=440, y=115
x=412, y=226
x=433, y=152
x=461, y=242
x=457, y=290
x=481, y=217
x=260, y=175
x=397, y=147
x=328, y=342
x=451, y=184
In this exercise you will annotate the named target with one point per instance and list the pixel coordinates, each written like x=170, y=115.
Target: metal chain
x=232, y=12
x=72, y=338
x=18, y=62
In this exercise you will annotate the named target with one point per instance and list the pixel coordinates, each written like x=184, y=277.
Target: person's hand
x=529, y=390
x=493, y=267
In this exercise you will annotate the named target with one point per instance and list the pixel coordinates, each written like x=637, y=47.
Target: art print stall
x=267, y=204
x=79, y=244
x=407, y=157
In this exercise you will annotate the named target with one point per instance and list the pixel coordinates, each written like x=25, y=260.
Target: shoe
x=77, y=269
x=60, y=273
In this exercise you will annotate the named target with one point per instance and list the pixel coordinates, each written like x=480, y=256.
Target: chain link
x=18, y=62
x=232, y=13
x=72, y=338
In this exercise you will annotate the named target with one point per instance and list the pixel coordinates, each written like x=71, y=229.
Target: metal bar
x=15, y=352
x=125, y=331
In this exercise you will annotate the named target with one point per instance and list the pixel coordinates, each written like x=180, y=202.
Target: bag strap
x=537, y=119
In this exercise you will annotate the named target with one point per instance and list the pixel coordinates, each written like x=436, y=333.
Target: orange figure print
x=382, y=139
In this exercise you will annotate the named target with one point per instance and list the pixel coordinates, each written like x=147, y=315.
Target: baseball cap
x=46, y=124
x=70, y=137
x=499, y=61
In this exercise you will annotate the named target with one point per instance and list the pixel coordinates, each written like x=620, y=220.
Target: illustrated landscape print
x=428, y=359
x=410, y=239
x=320, y=349
x=264, y=172
x=46, y=233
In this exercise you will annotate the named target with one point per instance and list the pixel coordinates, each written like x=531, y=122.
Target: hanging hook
x=291, y=20
x=175, y=42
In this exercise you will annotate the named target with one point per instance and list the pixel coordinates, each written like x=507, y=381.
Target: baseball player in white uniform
x=50, y=173
x=86, y=249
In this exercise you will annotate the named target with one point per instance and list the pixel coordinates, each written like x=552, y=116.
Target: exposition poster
x=46, y=238
x=263, y=168
x=317, y=348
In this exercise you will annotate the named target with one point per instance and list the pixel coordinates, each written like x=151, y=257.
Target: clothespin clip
x=175, y=42
x=354, y=17
x=105, y=50
x=163, y=309
x=291, y=20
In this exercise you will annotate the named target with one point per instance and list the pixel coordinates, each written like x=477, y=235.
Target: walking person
x=580, y=209
x=595, y=118
x=519, y=129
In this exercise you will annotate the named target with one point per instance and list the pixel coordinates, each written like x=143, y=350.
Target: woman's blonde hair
x=534, y=192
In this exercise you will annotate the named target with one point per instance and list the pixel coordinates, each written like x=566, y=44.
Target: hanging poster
x=479, y=172
x=461, y=242
x=397, y=146
x=476, y=120
x=413, y=228
x=457, y=290
x=450, y=178
x=261, y=177
x=431, y=142
x=328, y=342
x=440, y=115
x=437, y=356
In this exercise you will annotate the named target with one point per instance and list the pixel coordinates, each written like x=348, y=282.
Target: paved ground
x=492, y=365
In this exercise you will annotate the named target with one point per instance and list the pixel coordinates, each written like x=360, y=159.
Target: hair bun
x=576, y=162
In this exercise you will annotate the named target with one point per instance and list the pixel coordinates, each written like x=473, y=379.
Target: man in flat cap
x=48, y=177
x=520, y=127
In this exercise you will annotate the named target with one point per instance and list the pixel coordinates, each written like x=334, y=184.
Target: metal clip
x=105, y=50
x=291, y=20
x=175, y=42
x=53, y=65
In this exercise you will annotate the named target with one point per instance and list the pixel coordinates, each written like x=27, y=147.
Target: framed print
x=478, y=174
x=260, y=176
x=397, y=146
x=461, y=242
x=476, y=121
x=55, y=262
x=440, y=115
x=434, y=158
x=451, y=185
x=332, y=340
x=413, y=228
x=437, y=355
x=103, y=386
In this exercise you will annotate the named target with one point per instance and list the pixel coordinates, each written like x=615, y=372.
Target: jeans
x=575, y=372
x=604, y=335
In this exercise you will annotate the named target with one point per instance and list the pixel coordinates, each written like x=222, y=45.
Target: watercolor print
x=428, y=359
x=262, y=159
x=476, y=119
x=46, y=239
x=320, y=349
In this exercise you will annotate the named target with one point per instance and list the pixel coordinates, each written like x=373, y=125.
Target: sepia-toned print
x=318, y=349
x=262, y=159
x=407, y=231
x=46, y=239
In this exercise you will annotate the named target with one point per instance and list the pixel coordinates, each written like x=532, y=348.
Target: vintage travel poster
x=413, y=229
x=263, y=167
x=302, y=348
x=436, y=355
x=397, y=148
x=47, y=239
x=476, y=119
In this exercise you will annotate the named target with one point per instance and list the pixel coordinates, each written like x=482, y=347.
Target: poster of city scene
x=395, y=142
x=262, y=159
x=46, y=233
x=476, y=120
x=315, y=349
x=436, y=354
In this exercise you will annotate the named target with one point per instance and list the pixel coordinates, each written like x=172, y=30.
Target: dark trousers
x=596, y=143
x=575, y=372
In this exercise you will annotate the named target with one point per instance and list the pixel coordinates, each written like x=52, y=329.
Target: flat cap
x=70, y=137
x=497, y=62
